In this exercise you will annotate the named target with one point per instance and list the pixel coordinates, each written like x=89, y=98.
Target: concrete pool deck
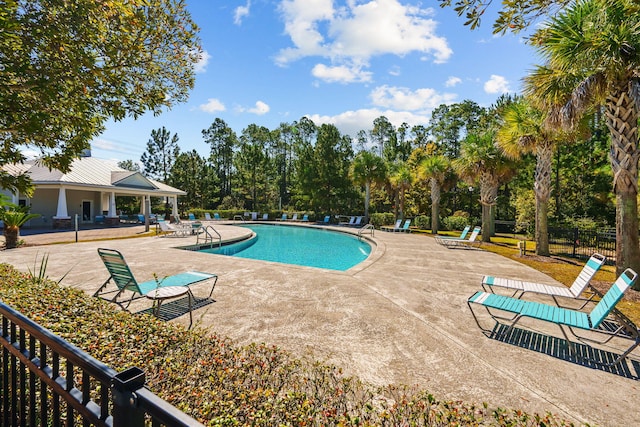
x=399, y=317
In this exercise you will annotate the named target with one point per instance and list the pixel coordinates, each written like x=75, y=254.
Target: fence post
x=125, y=405
x=575, y=241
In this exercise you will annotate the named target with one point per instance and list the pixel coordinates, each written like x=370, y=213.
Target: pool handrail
x=209, y=236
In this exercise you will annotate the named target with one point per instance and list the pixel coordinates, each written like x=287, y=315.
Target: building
x=88, y=190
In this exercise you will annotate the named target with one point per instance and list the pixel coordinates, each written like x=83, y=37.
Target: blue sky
x=341, y=62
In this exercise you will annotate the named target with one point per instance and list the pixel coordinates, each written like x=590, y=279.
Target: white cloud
x=402, y=98
x=351, y=35
x=212, y=106
x=496, y=84
x=452, y=81
x=260, y=109
x=340, y=74
x=241, y=12
x=351, y=122
x=203, y=61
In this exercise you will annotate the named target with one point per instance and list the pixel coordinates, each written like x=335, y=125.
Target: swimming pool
x=308, y=246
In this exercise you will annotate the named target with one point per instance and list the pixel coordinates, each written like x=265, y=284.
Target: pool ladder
x=365, y=228
x=208, y=237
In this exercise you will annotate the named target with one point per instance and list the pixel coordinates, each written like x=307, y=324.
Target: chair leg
x=215, y=280
x=190, y=296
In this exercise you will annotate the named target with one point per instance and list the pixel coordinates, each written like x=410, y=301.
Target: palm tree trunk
x=367, y=199
x=542, y=227
x=435, y=205
x=11, y=235
x=542, y=188
x=622, y=121
x=488, y=196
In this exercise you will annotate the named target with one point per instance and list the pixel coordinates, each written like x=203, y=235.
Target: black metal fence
x=45, y=381
x=578, y=243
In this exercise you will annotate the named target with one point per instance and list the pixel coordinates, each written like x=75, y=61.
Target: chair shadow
x=558, y=348
x=173, y=309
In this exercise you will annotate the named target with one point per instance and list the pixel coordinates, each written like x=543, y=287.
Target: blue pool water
x=308, y=246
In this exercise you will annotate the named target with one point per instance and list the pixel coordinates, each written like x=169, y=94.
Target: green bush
x=221, y=383
x=423, y=222
x=380, y=219
x=455, y=222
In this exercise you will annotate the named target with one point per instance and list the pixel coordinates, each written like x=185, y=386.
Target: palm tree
x=366, y=169
x=400, y=179
x=435, y=169
x=522, y=132
x=480, y=159
x=13, y=219
x=592, y=52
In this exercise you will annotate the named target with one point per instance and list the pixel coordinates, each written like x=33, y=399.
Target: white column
x=61, y=212
x=174, y=210
x=112, y=205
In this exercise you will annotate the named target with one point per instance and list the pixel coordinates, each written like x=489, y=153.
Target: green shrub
x=454, y=222
x=220, y=383
x=423, y=222
x=380, y=219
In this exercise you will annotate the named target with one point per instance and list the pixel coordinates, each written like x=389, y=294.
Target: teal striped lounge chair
x=156, y=290
x=464, y=243
x=405, y=227
x=519, y=287
x=566, y=319
x=463, y=235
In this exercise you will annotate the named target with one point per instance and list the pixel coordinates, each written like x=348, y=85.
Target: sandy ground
x=399, y=317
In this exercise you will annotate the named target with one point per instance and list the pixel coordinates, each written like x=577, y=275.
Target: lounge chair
x=216, y=216
x=156, y=290
x=405, y=227
x=358, y=221
x=519, y=287
x=463, y=235
x=283, y=218
x=175, y=230
x=207, y=217
x=396, y=226
x=566, y=319
x=305, y=218
x=464, y=243
x=325, y=221
x=352, y=220
x=294, y=217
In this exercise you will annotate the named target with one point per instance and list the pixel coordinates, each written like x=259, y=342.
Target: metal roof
x=93, y=172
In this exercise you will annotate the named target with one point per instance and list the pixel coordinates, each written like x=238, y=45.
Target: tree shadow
x=586, y=355
x=178, y=307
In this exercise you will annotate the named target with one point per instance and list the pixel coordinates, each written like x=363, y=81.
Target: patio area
x=399, y=317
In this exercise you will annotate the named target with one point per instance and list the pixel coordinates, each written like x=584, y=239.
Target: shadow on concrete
x=558, y=348
x=179, y=307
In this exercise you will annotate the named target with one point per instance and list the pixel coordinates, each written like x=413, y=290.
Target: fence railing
x=578, y=243
x=46, y=381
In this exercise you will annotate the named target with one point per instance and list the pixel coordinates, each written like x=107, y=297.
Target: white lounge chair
x=463, y=235
x=519, y=287
x=175, y=230
x=395, y=227
x=464, y=243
